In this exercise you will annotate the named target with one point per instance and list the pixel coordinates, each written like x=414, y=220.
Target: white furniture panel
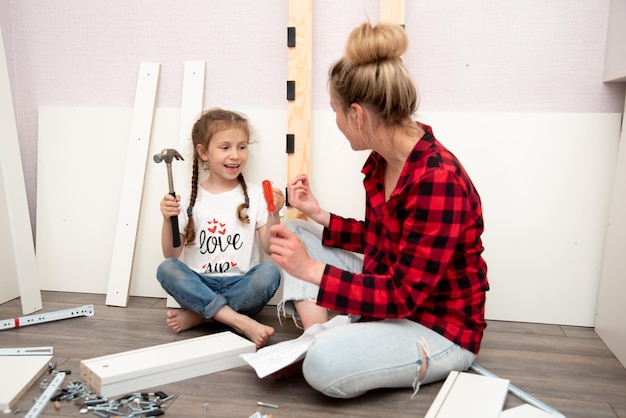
x=190, y=110
x=615, y=54
x=611, y=307
x=134, y=370
x=132, y=185
x=17, y=250
x=19, y=373
x=79, y=178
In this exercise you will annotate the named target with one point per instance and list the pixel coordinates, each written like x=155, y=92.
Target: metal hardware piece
x=26, y=351
x=45, y=397
x=268, y=405
x=86, y=310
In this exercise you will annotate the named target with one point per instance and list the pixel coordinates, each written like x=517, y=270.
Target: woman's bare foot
x=180, y=320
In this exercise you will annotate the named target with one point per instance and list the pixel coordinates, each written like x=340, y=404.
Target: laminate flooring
x=568, y=368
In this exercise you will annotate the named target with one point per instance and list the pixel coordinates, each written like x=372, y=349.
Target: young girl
x=221, y=278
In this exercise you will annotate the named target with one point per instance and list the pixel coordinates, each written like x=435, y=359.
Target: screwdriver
x=269, y=198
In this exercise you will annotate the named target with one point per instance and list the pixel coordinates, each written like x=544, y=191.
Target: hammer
x=167, y=155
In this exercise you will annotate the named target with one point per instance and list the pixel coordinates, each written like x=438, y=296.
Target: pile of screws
x=141, y=404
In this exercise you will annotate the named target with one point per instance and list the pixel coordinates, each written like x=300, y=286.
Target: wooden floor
x=568, y=368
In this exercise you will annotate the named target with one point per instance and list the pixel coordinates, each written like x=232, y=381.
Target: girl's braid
x=190, y=230
x=243, y=217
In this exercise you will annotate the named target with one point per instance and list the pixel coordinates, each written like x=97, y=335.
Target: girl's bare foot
x=256, y=332
x=180, y=320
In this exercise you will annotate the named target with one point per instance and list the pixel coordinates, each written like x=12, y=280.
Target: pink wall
x=478, y=56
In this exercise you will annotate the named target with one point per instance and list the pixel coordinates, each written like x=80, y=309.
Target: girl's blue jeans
x=204, y=294
x=349, y=360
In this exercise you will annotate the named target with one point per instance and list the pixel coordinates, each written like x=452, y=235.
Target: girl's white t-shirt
x=224, y=246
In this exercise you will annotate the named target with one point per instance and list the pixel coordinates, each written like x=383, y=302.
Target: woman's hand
x=289, y=253
x=301, y=198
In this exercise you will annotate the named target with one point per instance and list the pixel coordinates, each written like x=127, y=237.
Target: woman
x=419, y=288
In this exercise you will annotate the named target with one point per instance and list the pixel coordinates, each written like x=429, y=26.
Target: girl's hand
x=279, y=198
x=170, y=206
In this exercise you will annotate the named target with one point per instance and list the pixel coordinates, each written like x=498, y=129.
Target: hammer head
x=167, y=155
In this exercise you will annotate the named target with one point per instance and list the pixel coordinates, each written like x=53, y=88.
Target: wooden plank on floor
x=17, y=253
x=132, y=188
x=18, y=375
x=469, y=395
x=139, y=369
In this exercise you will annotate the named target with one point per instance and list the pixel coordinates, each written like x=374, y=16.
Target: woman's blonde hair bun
x=369, y=44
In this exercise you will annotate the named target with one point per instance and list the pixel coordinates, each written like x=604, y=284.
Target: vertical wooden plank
x=392, y=11
x=299, y=70
x=614, y=56
x=611, y=310
x=190, y=109
x=191, y=106
x=132, y=187
x=18, y=250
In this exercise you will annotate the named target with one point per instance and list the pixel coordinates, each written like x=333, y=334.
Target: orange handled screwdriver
x=268, y=193
x=269, y=196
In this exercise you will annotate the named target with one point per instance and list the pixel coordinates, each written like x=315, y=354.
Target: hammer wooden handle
x=175, y=231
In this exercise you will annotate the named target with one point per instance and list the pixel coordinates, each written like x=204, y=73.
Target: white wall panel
x=82, y=153
x=545, y=181
x=80, y=181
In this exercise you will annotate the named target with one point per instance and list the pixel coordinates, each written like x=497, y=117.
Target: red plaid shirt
x=422, y=248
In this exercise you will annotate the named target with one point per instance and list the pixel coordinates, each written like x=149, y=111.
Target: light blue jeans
x=204, y=294
x=349, y=360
